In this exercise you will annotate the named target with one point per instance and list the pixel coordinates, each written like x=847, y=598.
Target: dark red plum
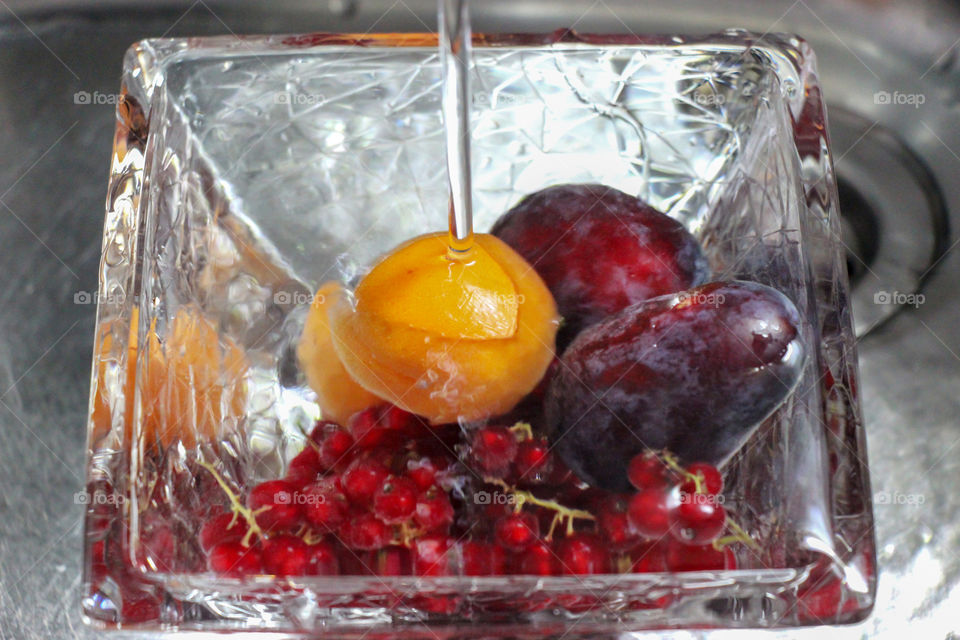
x=600, y=250
x=694, y=373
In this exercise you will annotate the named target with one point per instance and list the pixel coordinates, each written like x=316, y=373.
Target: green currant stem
x=237, y=507
x=310, y=537
x=522, y=431
x=696, y=478
x=739, y=535
x=407, y=534
x=553, y=525
x=562, y=513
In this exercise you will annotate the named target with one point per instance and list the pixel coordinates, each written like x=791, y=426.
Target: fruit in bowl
x=600, y=250
x=448, y=338
x=693, y=372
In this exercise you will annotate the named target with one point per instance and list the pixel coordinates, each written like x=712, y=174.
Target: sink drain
x=893, y=217
x=861, y=233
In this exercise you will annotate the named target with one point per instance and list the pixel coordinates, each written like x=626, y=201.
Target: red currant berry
x=649, y=512
x=422, y=472
x=647, y=471
x=614, y=524
x=697, y=519
x=395, y=500
x=322, y=560
x=431, y=555
x=684, y=557
x=226, y=527
x=493, y=449
x=364, y=531
x=394, y=418
x=285, y=556
x=304, y=467
x=538, y=560
x=335, y=446
x=582, y=554
x=370, y=429
x=711, y=482
x=321, y=429
x=434, y=511
x=234, y=559
x=362, y=479
x=533, y=462
x=324, y=506
x=517, y=531
x=280, y=498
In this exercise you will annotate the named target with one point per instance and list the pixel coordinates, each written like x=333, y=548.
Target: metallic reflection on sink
x=897, y=162
x=895, y=220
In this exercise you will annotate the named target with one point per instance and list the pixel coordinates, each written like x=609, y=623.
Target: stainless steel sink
x=891, y=75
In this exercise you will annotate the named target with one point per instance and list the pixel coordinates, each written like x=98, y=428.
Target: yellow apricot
x=467, y=348
x=471, y=297
x=338, y=395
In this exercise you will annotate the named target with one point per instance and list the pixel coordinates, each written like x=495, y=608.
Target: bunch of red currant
x=389, y=495
x=677, y=512
x=673, y=522
x=349, y=494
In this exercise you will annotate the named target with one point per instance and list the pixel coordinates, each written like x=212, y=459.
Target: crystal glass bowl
x=246, y=171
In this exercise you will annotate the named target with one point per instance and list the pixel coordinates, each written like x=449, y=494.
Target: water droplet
x=790, y=88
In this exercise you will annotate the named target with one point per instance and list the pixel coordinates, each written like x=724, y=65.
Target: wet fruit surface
x=448, y=339
x=694, y=373
x=600, y=250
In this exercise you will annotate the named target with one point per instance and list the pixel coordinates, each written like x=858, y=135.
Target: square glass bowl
x=248, y=171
